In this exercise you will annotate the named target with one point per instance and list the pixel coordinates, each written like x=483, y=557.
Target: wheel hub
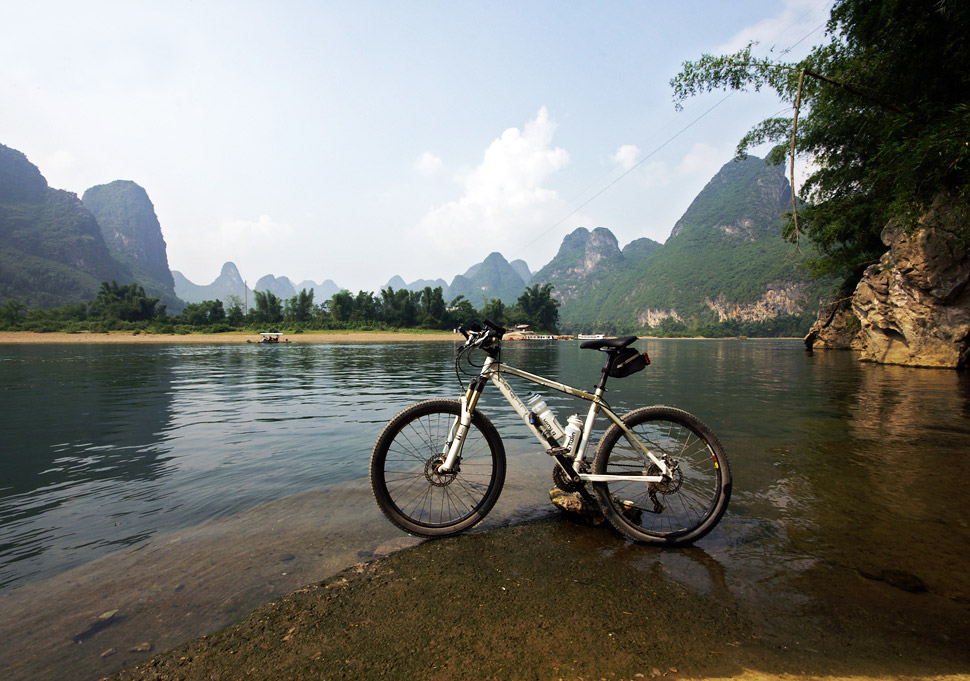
x=434, y=476
x=670, y=483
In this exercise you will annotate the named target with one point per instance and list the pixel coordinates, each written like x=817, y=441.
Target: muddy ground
x=552, y=600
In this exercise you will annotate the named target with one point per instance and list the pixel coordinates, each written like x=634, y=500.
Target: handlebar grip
x=494, y=327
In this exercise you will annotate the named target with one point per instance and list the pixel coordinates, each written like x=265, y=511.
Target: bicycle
x=659, y=474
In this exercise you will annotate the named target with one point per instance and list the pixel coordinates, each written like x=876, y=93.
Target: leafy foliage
x=539, y=308
x=883, y=116
x=127, y=303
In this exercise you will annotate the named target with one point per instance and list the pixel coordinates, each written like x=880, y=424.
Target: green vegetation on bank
x=128, y=308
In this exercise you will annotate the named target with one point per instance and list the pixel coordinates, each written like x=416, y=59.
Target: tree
x=341, y=306
x=206, y=313
x=461, y=312
x=432, y=309
x=12, y=314
x=299, y=308
x=539, y=308
x=269, y=308
x=127, y=303
x=494, y=310
x=884, y=112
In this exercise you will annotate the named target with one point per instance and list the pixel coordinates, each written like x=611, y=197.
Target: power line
x=639, y=163
x=626, y=172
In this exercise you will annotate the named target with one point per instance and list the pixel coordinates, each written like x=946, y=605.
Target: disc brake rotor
x=435, y=477
x=671, y=484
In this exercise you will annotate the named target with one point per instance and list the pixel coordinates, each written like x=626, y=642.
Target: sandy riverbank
x=23, y=337
x=552, y=600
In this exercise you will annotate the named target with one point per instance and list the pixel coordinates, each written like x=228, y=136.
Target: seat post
x=603, y=375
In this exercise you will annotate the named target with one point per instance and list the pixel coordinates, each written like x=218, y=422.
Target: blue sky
x=358, y=140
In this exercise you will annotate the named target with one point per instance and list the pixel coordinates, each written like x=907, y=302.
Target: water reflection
x=79, y=427
x=107, y=445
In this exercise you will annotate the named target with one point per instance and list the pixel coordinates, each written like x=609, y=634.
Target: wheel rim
x=415, y=487
x=680, y=503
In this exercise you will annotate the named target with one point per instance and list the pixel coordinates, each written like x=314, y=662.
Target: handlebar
x=476, y=335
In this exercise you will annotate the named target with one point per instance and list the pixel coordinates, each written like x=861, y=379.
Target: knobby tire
x=403, y=474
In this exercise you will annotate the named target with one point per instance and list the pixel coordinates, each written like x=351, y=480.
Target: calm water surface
x=106, y=449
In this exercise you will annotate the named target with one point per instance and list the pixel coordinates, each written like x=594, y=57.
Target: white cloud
x=504, y=199
x=428, y=164
x=61, y=160
x=244, y=241
x=626, y=156
x=796, y=19
x=702, y=160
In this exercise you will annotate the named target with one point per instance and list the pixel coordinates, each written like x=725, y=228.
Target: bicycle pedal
x=557, y=451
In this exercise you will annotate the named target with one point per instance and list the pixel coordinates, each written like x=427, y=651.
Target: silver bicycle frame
x=493, y=370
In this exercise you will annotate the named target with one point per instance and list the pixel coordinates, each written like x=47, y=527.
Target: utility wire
x=670, y=139
x=625, y=173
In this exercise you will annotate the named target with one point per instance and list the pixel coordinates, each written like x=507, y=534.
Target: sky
x=359, y=140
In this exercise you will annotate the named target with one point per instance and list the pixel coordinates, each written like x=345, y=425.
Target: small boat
x=270, y=337
x=591, y=336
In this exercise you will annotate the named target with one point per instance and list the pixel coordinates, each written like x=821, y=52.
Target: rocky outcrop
x=836, y=328
x=913, y=306
x=584, y=259
x=52, y=251
x=133, y=235
x=780, y=298
x=653, y=317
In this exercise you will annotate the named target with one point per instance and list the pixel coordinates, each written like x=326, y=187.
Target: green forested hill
x=133, y=236
x=725, y=260
x=52, y=251
x=494, y=277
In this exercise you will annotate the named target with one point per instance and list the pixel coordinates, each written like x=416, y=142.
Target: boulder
x=576, y=507
x=913, y=306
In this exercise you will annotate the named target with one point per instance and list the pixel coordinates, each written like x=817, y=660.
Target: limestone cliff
x=779, y=298
x=913, y=306
x=133, y=235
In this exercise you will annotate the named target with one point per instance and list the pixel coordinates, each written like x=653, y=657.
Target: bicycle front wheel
x=683, y=507
x=404, y=470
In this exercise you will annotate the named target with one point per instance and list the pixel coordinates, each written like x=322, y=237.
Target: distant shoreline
x=233, y=337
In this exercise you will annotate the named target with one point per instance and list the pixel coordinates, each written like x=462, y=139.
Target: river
x=182, y=485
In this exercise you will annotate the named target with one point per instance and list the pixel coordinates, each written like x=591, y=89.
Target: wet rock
x=836, y=328
x=96, y=625
x=141, y=648
x=392, y=545
x=899, y=579
x=904, y=580
x=576, y=507
x=287, y=557
x=109, y=652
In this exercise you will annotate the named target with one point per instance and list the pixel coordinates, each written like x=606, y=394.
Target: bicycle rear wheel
x=407, y=485
x=679, y=510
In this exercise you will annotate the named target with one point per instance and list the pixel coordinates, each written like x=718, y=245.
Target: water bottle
x=574, y=428
x=545, y=417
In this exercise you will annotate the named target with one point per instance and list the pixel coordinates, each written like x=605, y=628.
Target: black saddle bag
x=627, y=361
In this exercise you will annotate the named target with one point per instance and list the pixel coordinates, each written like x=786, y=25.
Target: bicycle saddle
x=608, y=343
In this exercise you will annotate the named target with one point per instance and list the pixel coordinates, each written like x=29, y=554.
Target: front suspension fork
x=459, y=429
